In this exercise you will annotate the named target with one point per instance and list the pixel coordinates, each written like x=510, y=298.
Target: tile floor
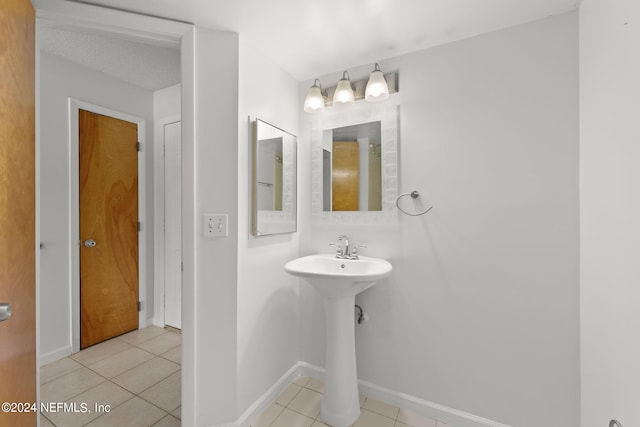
x=299, y=406
x=136, y=374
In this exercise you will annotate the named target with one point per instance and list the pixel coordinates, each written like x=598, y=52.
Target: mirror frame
x=389, y=118
x=289, y=207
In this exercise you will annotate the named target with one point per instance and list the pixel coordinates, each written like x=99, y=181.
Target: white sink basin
x=334, y=278
x=338, y=281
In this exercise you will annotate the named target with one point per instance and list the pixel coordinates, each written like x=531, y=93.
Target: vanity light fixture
x=314, y=101
x=377, y=88
x=344, y=92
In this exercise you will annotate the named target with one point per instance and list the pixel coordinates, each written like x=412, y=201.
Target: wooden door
x=345, y=180
x=173, y=225
x=108, y=217
x=17, y=208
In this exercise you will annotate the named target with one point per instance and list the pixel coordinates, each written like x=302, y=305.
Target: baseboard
x=264, y=401
x=423, y=407
x=54, y=355
x=451, y=416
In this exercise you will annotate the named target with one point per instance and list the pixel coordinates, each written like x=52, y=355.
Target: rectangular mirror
x=274, y=180
x=354, y=160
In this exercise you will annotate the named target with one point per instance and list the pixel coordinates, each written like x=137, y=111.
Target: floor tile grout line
x=168, y=412
x=105, y=379
x=143, y=341
x=90, y=388
x=133, y=395
x=99, y=384
x=155, y=384
x=131, y=398
x=71, y=356
x=88, y=367
x=160, y=354
x=128, y=391
x=138, y=367
x=317, y=418
x=66, y=373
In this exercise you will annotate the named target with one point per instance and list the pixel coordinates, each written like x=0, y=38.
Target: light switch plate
x=215, y=225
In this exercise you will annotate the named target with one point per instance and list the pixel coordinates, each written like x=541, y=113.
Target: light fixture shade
x=344, y=92
x=314, y=101
x=377, y=89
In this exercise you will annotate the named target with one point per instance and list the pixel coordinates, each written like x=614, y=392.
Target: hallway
x=132, y=380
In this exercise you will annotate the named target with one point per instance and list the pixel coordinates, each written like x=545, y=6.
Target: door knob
x=89, y=243
x=5, y=311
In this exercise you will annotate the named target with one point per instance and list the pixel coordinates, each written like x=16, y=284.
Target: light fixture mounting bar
x=359, y=87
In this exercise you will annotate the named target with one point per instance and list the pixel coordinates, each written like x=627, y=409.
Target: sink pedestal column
x=340, y=405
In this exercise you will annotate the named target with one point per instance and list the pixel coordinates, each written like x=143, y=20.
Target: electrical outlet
x=215, y=225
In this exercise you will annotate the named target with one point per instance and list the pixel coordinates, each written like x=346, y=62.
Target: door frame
x=164, y=32
x=75, y=106
x=159, y=216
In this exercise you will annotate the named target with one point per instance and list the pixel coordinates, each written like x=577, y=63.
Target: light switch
x=215, y=225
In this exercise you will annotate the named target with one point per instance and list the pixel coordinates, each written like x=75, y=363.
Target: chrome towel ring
x=414, y=195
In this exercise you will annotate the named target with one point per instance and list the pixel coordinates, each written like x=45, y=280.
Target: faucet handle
x=354, y=251
x=338, y=251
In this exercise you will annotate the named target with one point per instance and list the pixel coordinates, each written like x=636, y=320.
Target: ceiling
x=309, y=38
x=148, y=66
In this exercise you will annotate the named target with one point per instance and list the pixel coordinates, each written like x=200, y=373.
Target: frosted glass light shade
x=314, y=100
x=377, y=89
x=344, y=92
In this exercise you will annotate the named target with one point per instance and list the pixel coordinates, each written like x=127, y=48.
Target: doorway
x=172, y=226
x=108, y=194
x=61, y=86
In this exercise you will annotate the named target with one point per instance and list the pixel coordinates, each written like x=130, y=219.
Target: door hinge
x=139, y=306
x=182, y=266
x=139, y=226
x=138, y=146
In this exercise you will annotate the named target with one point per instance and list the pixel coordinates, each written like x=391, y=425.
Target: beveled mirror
x=274, y=180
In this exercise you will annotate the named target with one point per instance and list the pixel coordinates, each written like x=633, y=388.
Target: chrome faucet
x=345, y=252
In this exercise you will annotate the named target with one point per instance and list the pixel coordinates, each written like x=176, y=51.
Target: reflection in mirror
x=354, y=161
x=269, y=174
x=352, y=168
x=274, y=180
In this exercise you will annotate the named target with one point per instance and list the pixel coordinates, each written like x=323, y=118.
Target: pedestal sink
x=339, y=281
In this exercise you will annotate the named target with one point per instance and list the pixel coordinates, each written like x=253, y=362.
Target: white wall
x=609, y=209
x=209, y=185
x=481, y=311
x=59, y=80
x=166, y=106
x=267, y=296
x=166, y=102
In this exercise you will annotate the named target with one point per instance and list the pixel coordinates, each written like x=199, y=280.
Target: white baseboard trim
x=54, y=355
x=451, y=416
x=427, y=408
x=264, y=401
